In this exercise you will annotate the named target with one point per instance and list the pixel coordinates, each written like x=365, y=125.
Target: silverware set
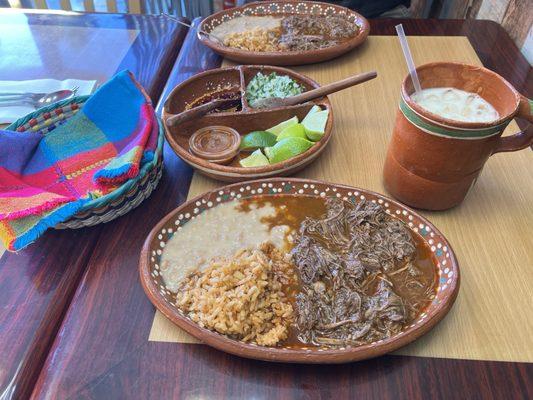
x=36, y=100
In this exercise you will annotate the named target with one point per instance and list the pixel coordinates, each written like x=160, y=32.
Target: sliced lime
x=287, y=148
x=315, y=125
x=276, y=130
x=313, y=110
x=292, y=131
x=256, y=159
x=257, y=139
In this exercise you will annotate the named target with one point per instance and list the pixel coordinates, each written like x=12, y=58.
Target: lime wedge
x=276, y=130
x=292, y=131
x=315, y=124
x=313, y=110
x=256, y=159
x=256, y=139
x=287, y=148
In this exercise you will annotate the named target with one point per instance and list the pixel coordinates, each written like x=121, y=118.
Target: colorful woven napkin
x=46, y=176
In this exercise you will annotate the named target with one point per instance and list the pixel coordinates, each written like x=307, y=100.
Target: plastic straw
x=408, y=57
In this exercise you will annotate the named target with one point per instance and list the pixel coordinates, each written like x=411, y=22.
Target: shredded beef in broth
x=359, y=279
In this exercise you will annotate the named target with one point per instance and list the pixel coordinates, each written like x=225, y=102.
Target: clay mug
x=432, y=161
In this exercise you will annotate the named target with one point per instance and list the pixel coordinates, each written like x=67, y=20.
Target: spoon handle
x=330, y=88
x=15, y=96
x=195, y=112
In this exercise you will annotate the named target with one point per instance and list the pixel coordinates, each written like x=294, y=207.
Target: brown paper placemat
x=490, y=232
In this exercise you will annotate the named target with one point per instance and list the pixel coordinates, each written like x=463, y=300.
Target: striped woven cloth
x=48, y=174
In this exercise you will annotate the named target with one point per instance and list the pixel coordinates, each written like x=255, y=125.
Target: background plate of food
x=295, y=270
x=284, y=32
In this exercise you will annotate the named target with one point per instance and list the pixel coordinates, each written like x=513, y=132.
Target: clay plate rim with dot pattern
x=444, y=259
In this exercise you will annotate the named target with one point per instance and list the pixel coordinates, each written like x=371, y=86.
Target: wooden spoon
x=315, y=93
x=197, y=112
x=273, y=102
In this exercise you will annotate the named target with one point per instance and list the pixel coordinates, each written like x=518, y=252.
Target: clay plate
x=285, y=8
x=444, y=260
x=244, y=121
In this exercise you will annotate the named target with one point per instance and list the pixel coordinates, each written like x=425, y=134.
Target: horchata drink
x=446, y=131
x=456, y=104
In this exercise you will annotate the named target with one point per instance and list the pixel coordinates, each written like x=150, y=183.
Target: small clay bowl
x=216, y=144
x=284, y=8
x=246, y=120
x=442, y=258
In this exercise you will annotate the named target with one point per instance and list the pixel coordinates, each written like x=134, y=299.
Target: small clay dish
x=216, y=144
x=284, y=8
x=442, y=258
x=244, y=119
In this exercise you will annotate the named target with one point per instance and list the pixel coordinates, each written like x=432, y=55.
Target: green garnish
x=268, y=86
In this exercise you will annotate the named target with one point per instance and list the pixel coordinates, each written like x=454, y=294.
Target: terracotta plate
x=244, y=121
x=285, y=8
x=444, y=260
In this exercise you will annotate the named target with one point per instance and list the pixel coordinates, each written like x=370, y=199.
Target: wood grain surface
x=102, y=352
x=489, y=231
x=37, y=284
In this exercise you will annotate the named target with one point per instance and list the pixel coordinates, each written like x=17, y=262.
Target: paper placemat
x=490, y=232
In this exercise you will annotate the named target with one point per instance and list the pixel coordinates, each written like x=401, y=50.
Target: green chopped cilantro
x=267, y=86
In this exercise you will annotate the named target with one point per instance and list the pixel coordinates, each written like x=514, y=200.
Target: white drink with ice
x=456, y=104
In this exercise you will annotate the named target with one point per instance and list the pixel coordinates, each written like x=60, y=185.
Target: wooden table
x=37, y=285
x=101, y=349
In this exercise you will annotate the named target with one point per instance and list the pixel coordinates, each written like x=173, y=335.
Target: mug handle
x=523, y=139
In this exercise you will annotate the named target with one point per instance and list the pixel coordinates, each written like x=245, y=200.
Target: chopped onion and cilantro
x=273, y=85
